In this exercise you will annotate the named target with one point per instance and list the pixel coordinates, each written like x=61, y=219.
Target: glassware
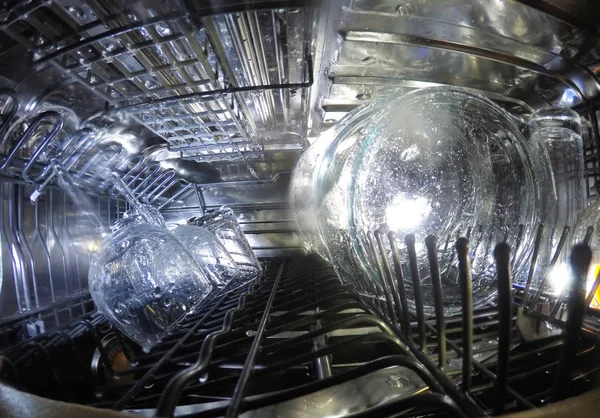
x=142, y=278
x=556, y=131
x=559, y=130
x=320, y=188
x=223, y=224
x=70, y=124
x=203, y=245
x=440, y=161
x=209, y=253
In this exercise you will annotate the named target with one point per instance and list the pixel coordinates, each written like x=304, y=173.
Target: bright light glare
x=406, y=212
x=559, y=278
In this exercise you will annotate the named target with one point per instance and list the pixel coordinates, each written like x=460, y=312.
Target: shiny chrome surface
x=48, y=245
x=354, y=396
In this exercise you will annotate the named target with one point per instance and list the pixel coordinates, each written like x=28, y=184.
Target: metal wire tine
x=503, y=268
x=438, y=298
x=376, y=253
x=581, y=257
x=518, y=242
x=559, y=248
x=532, y=265
x=93, y=160
x=588, y=235
x=383, y=266
x=113, y=192
x=373, y=286
x=393, y=284
x=166, y=188
x=67, y=161
x=242, y=384
x=29, y=132
x=168, y=175
x=184, y=189
x=170, y=396
x=14, y=107
x=405, y=317
x=466, y=287
x=416, y=281
x=155, y=167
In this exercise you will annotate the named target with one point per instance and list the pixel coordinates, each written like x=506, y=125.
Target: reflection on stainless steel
x=53, y=240
x=357, y=395
x=351, y=397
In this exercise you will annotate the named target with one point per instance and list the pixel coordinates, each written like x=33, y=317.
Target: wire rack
x=293, y=336
x=46, y=248
x=207, y=84
x=45, y=139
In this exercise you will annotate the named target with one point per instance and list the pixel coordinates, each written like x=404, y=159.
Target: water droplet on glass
x=76, y=12
x=293, y=93
x=363, y=96
x=405, y=9
x=157, y=292
x=133, y=17
x=163, y=29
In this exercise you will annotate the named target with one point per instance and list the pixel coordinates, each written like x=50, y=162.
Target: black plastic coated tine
x=405, y=319
x=379, y=253
x=416, y=281
x=466, y=286
x=534, y=257
x=581, y=256
x=557, y=253
x=502, y=257
x=436, y=280
x=388, y=274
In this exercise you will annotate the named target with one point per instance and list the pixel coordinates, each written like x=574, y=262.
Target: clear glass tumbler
x=209, y=253
x=224, y=225
x=145, y=281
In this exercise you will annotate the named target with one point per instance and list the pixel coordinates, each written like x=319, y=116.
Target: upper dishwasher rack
x=217, y=87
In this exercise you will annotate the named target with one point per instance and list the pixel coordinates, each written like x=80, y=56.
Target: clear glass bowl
x=145, y=281
x=208, y=252
x=447, y=162
x=223, y=224
x=440, y=161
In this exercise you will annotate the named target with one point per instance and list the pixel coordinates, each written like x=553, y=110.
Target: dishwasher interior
x=198, y=105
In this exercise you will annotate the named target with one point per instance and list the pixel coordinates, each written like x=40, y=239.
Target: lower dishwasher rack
x=297, y=342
